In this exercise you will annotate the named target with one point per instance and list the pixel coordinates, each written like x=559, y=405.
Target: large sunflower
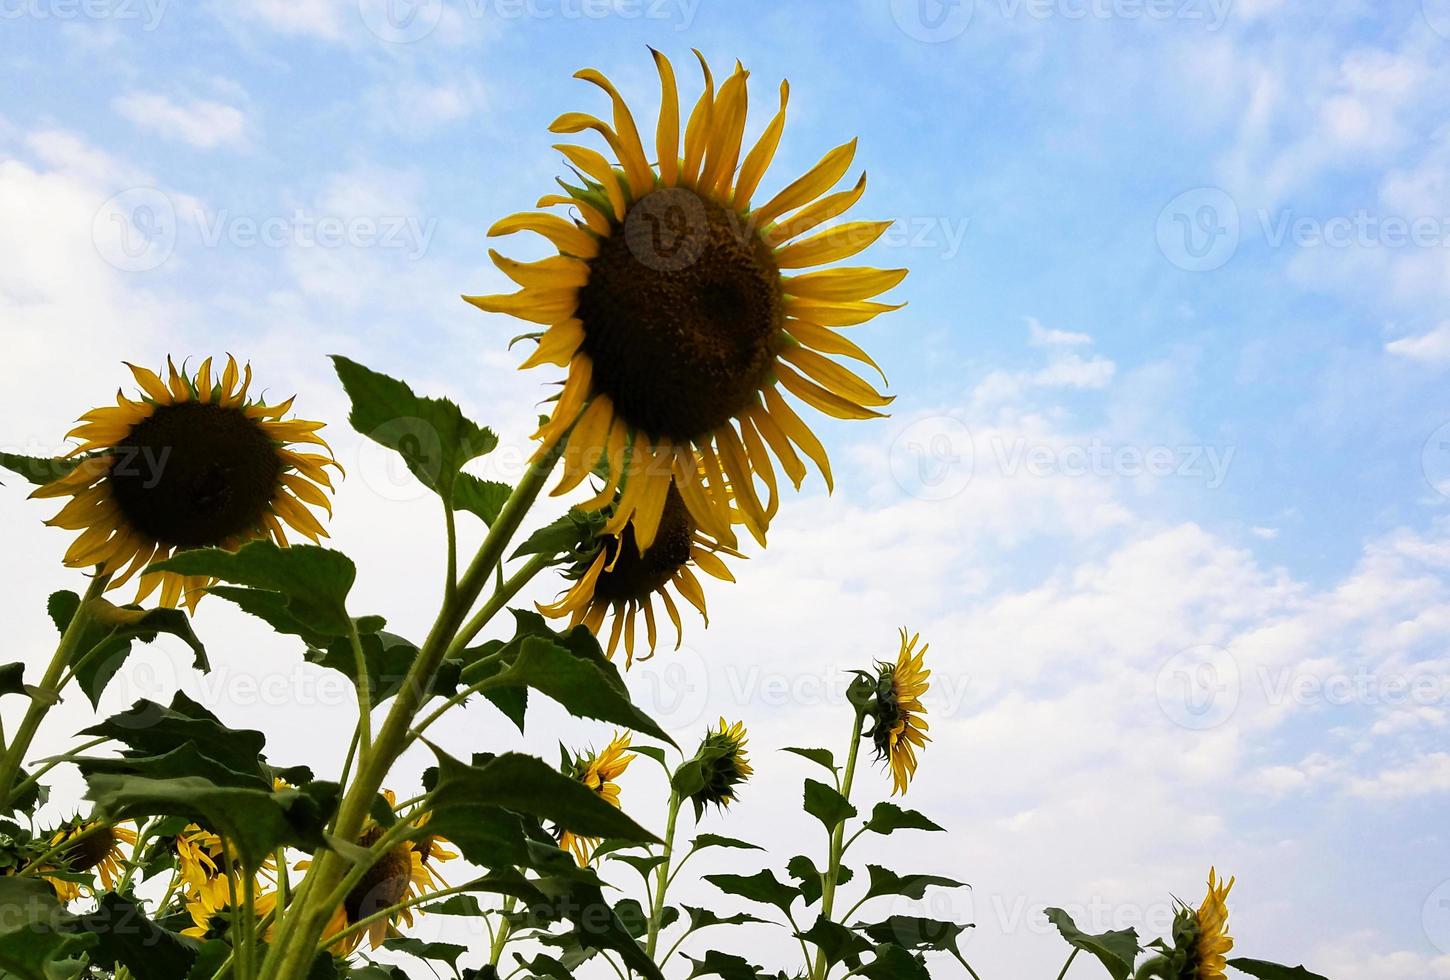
x=618, y=579
x=598, y=771
x=191, y=462
x=97, y=850
x=898, y=716
x=675, y=306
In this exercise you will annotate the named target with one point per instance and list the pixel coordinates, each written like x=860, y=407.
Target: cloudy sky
x=1166, y=479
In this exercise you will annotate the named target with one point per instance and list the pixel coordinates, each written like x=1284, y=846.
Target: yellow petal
x=821, y=399
x=547, y=306
x=555, y=272
x=697, y=130
x=667, y=145
x=840, y=242
x=843, y=284
x=636, y=168
x=594, y=165
x=815, y=182
x=558, y=344
x=567, y=237
x=757, y=161
x=834, y=377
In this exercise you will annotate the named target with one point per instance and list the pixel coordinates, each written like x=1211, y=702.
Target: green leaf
x=388, y=658
x=644, y=864
x=126, y=937
x=482, y=498
x=888, y=817
x=827, y=805
x=1116, y=950
x=887, y=882
x=636, y=920
x=149, y=729
x=464, y=905
x=442, y=952
x=821, y=757
x=762, y=887
x=1272, y=971
x=894, y=963
x=805, y=872
x=37, y=937
x=255, y=822
x=110, y=633
x=525, y=784
x=715, y=840
x=544, y=965
x=704, y=918
x=727, y=966
x=314, y=581
x=37, y=470
x=835, y=941
x=576, y=531
x=431, y=434
x=12, y=678
x=916, y=933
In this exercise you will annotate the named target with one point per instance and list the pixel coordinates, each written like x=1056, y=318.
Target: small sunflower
x=406, y=871
x=97, y=849
x=619, y=579
x=191, y=462
x=202, y=868
x=1201, y=938
x=898, y=717
x=675, y=304
x=211, y=917
x=727, y=765
x=598, y=772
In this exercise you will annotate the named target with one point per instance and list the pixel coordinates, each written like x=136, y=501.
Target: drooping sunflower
x=405, y=872
x=211, y=916
x=97, y=850
x=898, y=717
x=726, y=765
x=191, y=462
x=675, y=304
x=620, y=580
x=598, y=771
x=200, y=863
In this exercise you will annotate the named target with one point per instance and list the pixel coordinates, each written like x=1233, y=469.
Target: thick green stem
x=300, y=930
x=501, y=938
x=48, y=692
x=833, y=870
x=662, y=879
x=364, y=685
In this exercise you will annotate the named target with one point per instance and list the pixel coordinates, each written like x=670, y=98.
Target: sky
x=1164, y=485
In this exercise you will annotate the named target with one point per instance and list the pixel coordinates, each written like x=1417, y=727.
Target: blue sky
x=1116, y=450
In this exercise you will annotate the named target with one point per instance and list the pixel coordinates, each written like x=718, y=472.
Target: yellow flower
x=675, y=305
x=211, y=917
x=727, y=765
x=97, y=849
x=618, y=580
x=201, y=866
x=1212, y=941
x=899, y=717
x=598, y=772
x=189, y=463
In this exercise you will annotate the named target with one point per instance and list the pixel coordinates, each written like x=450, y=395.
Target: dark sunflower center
x=679, y=313
x=90, y=851
x=637, y=576
x=193, y=474
x=384, y=885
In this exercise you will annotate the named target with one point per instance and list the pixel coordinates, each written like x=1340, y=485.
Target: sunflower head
x=95, y=853
x=614, y=577
x=188, y=462
x=677, y=304
x=598, y=771
x=898, y=716
x=722, y=766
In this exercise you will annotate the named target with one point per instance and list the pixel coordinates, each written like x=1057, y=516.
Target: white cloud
x=315, y=18
x=1432, y=347
x=200, y=123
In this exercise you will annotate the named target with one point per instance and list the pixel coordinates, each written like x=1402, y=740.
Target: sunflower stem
x=838, y=833
x=501, y=938
x=966, y=965
x=363, y=681
x=34, y=777
x=48, y=691
x=662, y=878
x=1071, y=956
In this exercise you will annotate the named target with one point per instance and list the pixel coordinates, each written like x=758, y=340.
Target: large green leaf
x=576, y=531
x=314, y=581
x=110, y=633
x=1272, y=971
x=827, y=805
x=442, y=952
x=887, y=882
x=715, y=840
x=148, y=729
x=835, y=941
x=762, y=887
x=388, y=658
x=126, y=937
x=894, y=963
x=821, y=757
x=1116, y=950
x=888, y=817
x=915, y=932
x=705, y=918
x=38, y=940
x=727, y=966
x=432, y=435
x=808, y=877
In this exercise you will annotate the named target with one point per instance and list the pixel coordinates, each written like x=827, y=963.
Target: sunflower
x=404, y=872
x=675, y=305
x=898, y=716
x=211, y=916
x=97, y=849
x=598, y=772
x=201, y=866
x=191, y=462
x=726, y=765
x=619, y=579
